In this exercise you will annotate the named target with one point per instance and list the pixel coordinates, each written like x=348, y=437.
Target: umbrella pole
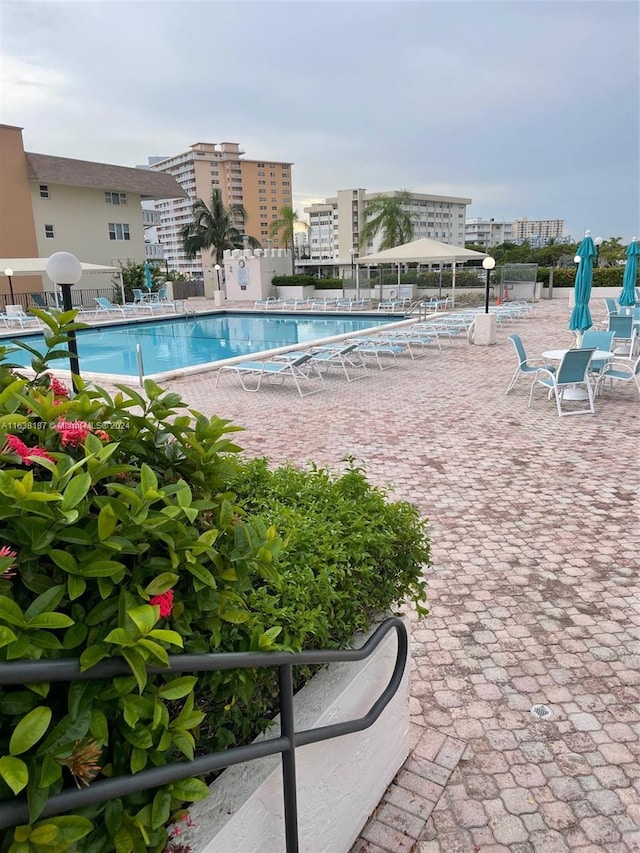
x=453, y=284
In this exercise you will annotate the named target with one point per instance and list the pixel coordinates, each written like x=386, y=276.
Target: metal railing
x=29, y=672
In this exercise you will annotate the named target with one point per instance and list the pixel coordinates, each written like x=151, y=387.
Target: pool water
x=169, y=345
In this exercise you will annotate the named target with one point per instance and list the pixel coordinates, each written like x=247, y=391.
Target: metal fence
x=185, y=289
x=30, y=672
x=48, y=299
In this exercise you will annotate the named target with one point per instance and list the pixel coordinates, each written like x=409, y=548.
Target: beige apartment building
x=335, y=223
x=538, y=231
x=53, y=204
x=262, y=187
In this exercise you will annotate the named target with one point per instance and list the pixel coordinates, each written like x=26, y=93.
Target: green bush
x=130, y=528
x=297, y=280
x=563, y=277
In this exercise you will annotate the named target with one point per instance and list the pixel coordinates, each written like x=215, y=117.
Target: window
x=119, y=231
x=115, y=198
x=49, y=231
x=262, y=183
x=44, y=191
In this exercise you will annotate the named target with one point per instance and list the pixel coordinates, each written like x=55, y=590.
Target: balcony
x=153, y=251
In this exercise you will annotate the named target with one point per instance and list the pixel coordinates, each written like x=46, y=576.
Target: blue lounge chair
x=301, y=369
x=109, y=307
x=334, y=355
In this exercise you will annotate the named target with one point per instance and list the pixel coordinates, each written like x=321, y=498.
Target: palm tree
x=213, y=228
x=388, y=214
x=284, y=227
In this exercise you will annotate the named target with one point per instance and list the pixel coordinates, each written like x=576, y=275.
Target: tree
x=389, y=216
x=610, y=252
x=212, y=228
x=284, y=227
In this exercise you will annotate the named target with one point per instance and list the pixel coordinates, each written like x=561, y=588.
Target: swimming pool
x=189, y=342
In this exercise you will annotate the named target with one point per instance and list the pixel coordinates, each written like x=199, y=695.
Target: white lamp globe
x=576, y=259
x=64, y=268
x=8, y=272
x=598, y=241
x=489, y=263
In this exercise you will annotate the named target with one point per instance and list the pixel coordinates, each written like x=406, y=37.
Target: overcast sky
x=528, y=108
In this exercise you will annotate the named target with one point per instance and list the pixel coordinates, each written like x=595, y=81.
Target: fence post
x=287, y=730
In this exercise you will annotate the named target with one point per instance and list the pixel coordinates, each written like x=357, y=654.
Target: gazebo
x=424, y=251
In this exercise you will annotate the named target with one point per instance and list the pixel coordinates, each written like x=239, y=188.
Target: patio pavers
x=533, y=590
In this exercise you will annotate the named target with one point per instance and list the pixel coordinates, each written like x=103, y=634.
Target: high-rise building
x=488, y=232
x=537, y=231
x=261, y=187
x=335, y=223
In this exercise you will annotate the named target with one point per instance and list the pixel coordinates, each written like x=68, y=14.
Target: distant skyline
x=529, y=108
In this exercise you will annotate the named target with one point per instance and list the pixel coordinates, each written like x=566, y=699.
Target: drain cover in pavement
x=541, y=712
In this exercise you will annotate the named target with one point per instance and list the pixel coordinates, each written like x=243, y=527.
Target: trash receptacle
x=218, y=298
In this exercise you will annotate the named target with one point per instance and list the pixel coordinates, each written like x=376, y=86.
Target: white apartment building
x=488, y=232
x=334, y=225
x=262, y=188
x=539, y=232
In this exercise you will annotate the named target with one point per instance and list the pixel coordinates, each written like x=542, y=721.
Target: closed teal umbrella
x=581, y=316
x=627, y=295
x=147, y=276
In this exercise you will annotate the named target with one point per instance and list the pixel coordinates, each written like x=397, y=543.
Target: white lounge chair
x=15, y=314
x=301, y=369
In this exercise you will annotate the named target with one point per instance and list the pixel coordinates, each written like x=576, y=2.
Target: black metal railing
x=84, y=298
x=30, y=672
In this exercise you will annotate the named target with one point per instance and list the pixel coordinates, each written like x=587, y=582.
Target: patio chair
x=622, y=327
x=17, y=314
x=620, y=370
x=572, y=371
x=524, y=367
x=104, y=304
x=600, y=340
x=378, y=347
x=301, y=369
x=611, y=305
x=142, y=301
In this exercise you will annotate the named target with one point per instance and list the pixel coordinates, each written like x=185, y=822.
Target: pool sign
x=243, y=274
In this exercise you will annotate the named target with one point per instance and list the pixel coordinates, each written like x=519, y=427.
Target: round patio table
x=575, y=393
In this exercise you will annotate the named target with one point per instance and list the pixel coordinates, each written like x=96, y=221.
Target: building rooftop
x=83, y=173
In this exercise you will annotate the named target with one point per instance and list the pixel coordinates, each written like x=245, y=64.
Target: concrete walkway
x=535, y=531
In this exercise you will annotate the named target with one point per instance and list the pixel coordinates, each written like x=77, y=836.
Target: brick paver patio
x=533, y=591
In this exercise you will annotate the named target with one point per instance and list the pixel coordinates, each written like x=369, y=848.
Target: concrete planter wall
x=340, y=781
x=305, y=291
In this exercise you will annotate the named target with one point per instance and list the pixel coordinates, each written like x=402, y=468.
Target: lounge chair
x=574, y=369
x=301, y=369
x=15, y=314
x=333, y=355
x=104, y=304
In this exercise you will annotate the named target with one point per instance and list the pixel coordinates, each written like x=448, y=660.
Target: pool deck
x=533, y=591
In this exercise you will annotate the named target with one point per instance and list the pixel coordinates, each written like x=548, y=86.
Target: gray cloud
x=531, y=109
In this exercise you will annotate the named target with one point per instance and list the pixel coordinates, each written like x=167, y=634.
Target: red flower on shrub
x=164, y=602
x=59, y=388
x=102, y=435
x=7, y=553
x=17, y=446
x=72, y=432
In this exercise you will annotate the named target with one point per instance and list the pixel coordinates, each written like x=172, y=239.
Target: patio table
x=576, y=393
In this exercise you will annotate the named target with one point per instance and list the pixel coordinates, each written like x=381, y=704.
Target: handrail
x=25, y=672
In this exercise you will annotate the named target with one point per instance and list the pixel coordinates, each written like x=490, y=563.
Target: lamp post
x=488, y=264
x=65, y=270
x=9, y=272
x=217, y=268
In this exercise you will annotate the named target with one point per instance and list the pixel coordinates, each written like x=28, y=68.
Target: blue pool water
x=186, y=342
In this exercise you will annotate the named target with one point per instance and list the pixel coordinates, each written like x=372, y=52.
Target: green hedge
x=130, y=530
x=602, y=276
x=303, y=279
